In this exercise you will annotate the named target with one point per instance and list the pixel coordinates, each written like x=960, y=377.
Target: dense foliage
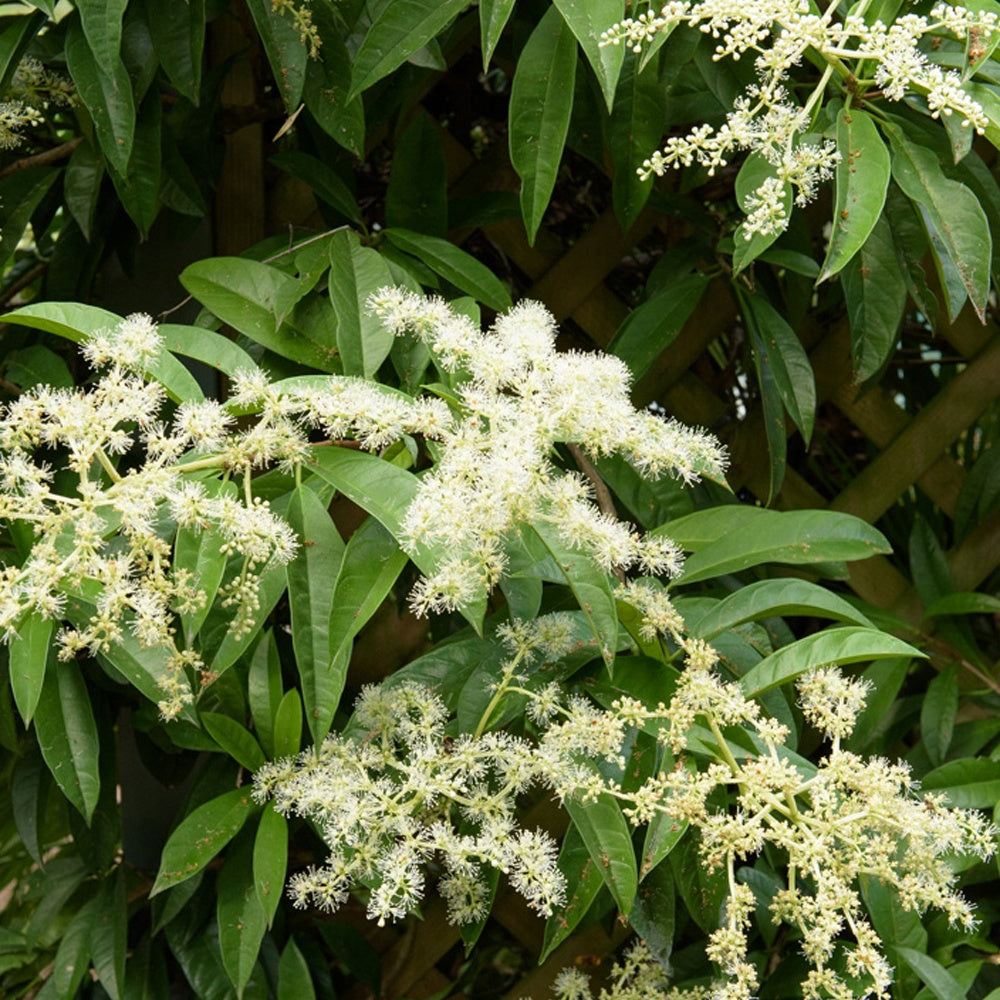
x=778, y=777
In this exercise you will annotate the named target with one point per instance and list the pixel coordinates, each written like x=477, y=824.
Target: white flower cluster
x=767, y=120
x=518, y=399
x=32, y=87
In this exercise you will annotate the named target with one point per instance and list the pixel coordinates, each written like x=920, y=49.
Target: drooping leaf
x=201, y=835
x=937, y=714
x=270, y=859
x=109, y=934
x=969, y=783
x=82, y=185
x=312, y=578
x=264, y=689
x=241, y=916
x=844, y=644
x=493, y=17
x=286, y=51
x=139, y=187
x=587, y=19
x=29, y=785
x=295, y=981
x=541, y=102
x=67, y=736
x=862, y=180
x=939, y=980
x=416, y=197
x=323, y=179
x=328, y=81
x=401, y=29
x=178, y=33
x=956, y=222
x=747, y=247
x=288, y=725
x=29, y=654
x=605, y=833
x=20, y=194
x=652, y=917
x=234, y=739
x=14, y=39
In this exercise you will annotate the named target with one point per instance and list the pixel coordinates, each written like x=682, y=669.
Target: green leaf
x=454, y=265
x=37, y=365
x=760, y=536
x=247, y=295
x=653, y=326
x=875, y=290
x=178, y=33
x=937, y=714
x=844, y=644
x=312, y=577
x=969, y=783
x=541, y=102
x=587, y=19
x=371, y=565
x=270, y=859
x=106, y=91
x=493, y=18
x=606, y=835
x=201, y=835
x=323, y=179
x=635, y=128
x=417, y=194
x=755, y=170
x=355, y=273
x=234, y=739
x=109, y=934
x=775, y=598
x=71, y=959
x=77, y=321
x=328, y=81
x=29, y=654
x=82, y=185
x=591, y=587
x=139, y=188
x=938, y=979
x=294, y=978
x=28, y=789
x=862, y=180
x=652, y=917
x=102, y=25
x=200, y=553
x=956, y=222
x=206, y=346
x=401, y=29
x=583, y=881
x=703, y=891
x=775, y=341
x=67, y=736
x=241, y=917
x=773, y=415
x=286, y=51
x=14, y=40
x=288, y=725
x=963, y=604
x=264, y=689
x=662, y=835
x=20, y=194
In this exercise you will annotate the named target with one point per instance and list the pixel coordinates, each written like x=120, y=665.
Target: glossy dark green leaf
x=328, y=81
x=773, y=414
x=294, y=978
x=401, y=29
x=875, y=292
x=939, y=980
x=760, y=536
x=37, y=365
x=606, y=834
x=234, y=644
x=355, y=273
x=937, y=714
x=264, y=689
x=206, y=346
x=583, y=881
x=652, y=917
x=493, y=18
x=82, y=185
x=635, y=128
x=139, y=188
x=76, y=321
x=591, y=587
x=663, y=834
x=587, y=19
x=178, y=33
x=324, y=181
x=29, y=785
x=234, y=739
x=844, y=644
x=896, y=926
x=14, y=39
x=755, y=170
x=20, y=194
x=72, y=956
x=201, y=835
x=29, y=654
x=703, y=891
x=454, y=265
x=146, y=972
x=67, y=736
x=102, y=26
x=963, y=604
x=312, y=578
x=862, y=179
x=109, y=934
x=775, y=598
x=247, y=294
x=241, y=917
x=969, y=783
x=417, y=194
x=286, y=51
x=541, y=102
x=774, y=340
x=956, y=221
x=200, y=554
x=270, y=859
x=288, y=725
x=105, y=89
